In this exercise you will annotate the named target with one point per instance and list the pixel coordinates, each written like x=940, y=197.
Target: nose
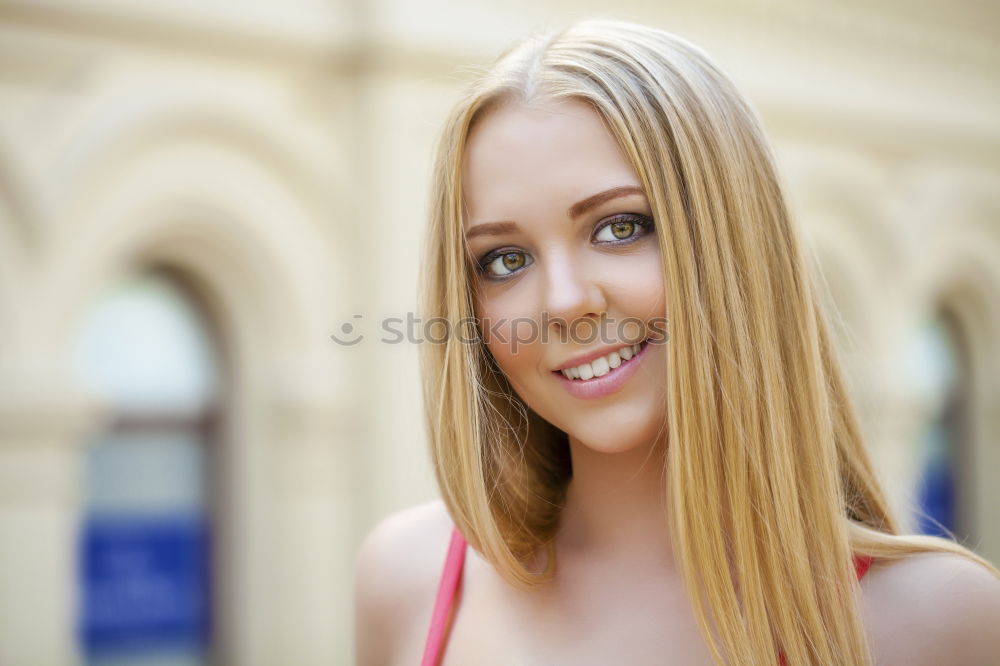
x=571, y=295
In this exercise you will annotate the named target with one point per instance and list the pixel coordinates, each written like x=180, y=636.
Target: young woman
x=639, y=426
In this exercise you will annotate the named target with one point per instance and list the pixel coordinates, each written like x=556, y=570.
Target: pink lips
x=598, y=387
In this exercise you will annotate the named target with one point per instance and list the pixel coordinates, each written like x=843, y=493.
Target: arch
x=849, y=188
x=964, y=281
x=835, y=198
x=168, y=205
x=845, y=273
x=114, y=130
x=261, y=260
x=844, y=282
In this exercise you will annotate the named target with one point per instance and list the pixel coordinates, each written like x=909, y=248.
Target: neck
x=616, y=506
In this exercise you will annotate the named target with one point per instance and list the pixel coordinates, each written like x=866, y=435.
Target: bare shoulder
x=395, y=578
x=932, y=608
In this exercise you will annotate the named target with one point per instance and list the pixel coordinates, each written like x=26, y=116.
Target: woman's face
x=573, y=271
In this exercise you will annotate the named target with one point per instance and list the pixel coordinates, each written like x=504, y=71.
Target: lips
x=591, y=356
x=598, y=387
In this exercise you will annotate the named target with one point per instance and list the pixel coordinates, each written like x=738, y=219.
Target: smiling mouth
x=605, y=365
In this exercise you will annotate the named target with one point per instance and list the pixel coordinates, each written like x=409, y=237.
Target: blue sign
x=145, y=584
x=937, y=499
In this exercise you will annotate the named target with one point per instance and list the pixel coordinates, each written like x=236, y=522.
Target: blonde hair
x=770, y=489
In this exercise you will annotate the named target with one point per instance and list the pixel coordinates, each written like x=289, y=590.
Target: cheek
x=517, y=366
x=511, y=335
x=639, y=289
x=512, y=345
x=498, y=313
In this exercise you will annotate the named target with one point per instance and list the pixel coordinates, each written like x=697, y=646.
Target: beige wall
x=278, y=154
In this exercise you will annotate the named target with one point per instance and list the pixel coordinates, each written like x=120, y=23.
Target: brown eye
x=623, y=229
x=512, y=260
x=504, y=263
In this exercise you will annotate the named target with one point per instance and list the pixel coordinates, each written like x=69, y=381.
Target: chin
x=613, y=436
x=611, y=444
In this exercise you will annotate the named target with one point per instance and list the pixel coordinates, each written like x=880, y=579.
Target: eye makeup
x=641, y=224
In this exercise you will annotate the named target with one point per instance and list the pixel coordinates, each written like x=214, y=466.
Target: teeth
x=603, y=365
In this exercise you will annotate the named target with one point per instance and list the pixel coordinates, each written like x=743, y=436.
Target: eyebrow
x=575, y=211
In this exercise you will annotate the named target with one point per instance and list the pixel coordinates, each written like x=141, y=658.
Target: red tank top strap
x=861, y=565
x=451, y=578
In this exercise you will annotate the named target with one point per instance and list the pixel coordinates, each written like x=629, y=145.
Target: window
x=145, y=540
x=942, y=382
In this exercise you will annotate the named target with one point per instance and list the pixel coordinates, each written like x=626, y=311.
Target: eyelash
x=640, y=221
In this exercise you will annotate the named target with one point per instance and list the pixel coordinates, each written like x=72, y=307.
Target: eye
x=502, y=263
x=618, y=230
x=623, y=229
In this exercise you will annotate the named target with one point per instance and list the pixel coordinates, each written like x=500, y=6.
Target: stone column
x=41, y=430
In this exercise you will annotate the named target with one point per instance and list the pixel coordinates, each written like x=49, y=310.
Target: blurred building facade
x=194, y=197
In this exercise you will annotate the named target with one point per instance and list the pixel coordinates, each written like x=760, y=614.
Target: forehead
x=555, y=153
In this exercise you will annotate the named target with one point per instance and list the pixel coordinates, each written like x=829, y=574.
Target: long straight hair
x=769, y=485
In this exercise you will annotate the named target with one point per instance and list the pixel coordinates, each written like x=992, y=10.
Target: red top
x=451, y=578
